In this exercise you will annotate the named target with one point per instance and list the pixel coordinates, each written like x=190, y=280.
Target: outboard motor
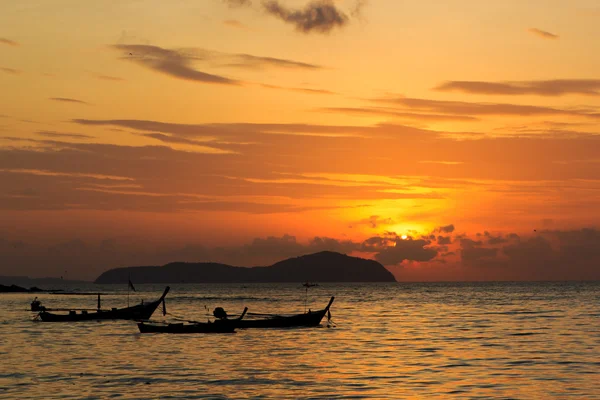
x=220, y=313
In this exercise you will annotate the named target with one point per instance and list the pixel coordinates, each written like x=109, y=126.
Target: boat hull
x=311, y=318
x=208, y=327
x=137, y=312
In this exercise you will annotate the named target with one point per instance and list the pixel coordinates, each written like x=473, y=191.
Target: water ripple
x=464, y=341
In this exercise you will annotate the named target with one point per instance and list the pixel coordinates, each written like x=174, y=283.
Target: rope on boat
x=330, y=322
x=178, y=318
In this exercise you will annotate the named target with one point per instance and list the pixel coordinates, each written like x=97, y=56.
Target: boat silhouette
x=141, y=311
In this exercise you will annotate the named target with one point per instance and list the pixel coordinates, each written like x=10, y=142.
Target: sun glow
x=404, y=237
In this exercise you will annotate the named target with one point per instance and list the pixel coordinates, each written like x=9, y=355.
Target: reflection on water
x=390, y=341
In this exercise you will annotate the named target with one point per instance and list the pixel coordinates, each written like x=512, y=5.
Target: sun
x=404, y=237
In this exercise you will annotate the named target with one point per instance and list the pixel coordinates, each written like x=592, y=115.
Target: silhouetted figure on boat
x=220, y=313
x=36, y=305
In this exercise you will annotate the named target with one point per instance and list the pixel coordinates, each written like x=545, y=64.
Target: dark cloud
x=474, y=255
x=556, y=87
x=8, y=42
x=500, y=238
x=11, y=71
x=547, y=255
x=445, y=229
x=86, y=260
x=468, y=244
x=317, y=16
x=176, y=63
x=444, y=240
x=68, y=100
x=376, y=243
x=543, y=34
x=401, y=250
x=318, y=244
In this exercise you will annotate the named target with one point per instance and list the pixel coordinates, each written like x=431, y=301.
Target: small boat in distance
x=310, y=318
x=220, y=325
x=141, y=311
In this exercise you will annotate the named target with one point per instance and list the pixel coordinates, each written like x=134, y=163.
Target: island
x=18, y=289
x=324, y=266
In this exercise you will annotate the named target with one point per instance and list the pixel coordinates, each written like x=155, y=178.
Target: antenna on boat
x=307, y=285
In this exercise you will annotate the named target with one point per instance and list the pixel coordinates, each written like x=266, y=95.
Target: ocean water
x=390, y=341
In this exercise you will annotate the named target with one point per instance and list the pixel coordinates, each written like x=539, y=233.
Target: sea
x=503, y=340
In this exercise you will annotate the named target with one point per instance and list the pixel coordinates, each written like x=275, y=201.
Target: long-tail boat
x=310, y=318
x=141, y=311
x=221, y=325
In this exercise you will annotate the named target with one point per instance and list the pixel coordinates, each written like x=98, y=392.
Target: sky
x=454, y=141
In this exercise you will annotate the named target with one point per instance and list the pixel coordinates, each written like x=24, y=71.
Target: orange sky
x=170, y=130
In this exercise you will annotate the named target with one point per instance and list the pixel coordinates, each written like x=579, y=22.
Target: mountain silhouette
x=325, y=266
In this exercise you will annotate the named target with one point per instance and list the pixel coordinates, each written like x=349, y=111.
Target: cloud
x=109, y=78
x=543, y=34
x=175, y=63
x=237, y=130
x=64, y=174
x=238, y=3
x=401, y=250
x=474, y=255
x=250, y=61
x=279, y=160
x=85, y=259
x=179, y=63
x=203, y=146
x=8, y=42
x=234, y=23
x=11, y=71
x=387, y=112
x=463, y=108
x=63, y=135
x=317, y=16
x=555, y=87
x=375, y=221
x=500, y=239
x=68, y=100
x=443, y=240
x=295, y=89
x=445, y=229
x=548, y=255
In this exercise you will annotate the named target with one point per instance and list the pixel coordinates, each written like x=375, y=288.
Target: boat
x=141, y=311
x=310, y=318
x=220, y=325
